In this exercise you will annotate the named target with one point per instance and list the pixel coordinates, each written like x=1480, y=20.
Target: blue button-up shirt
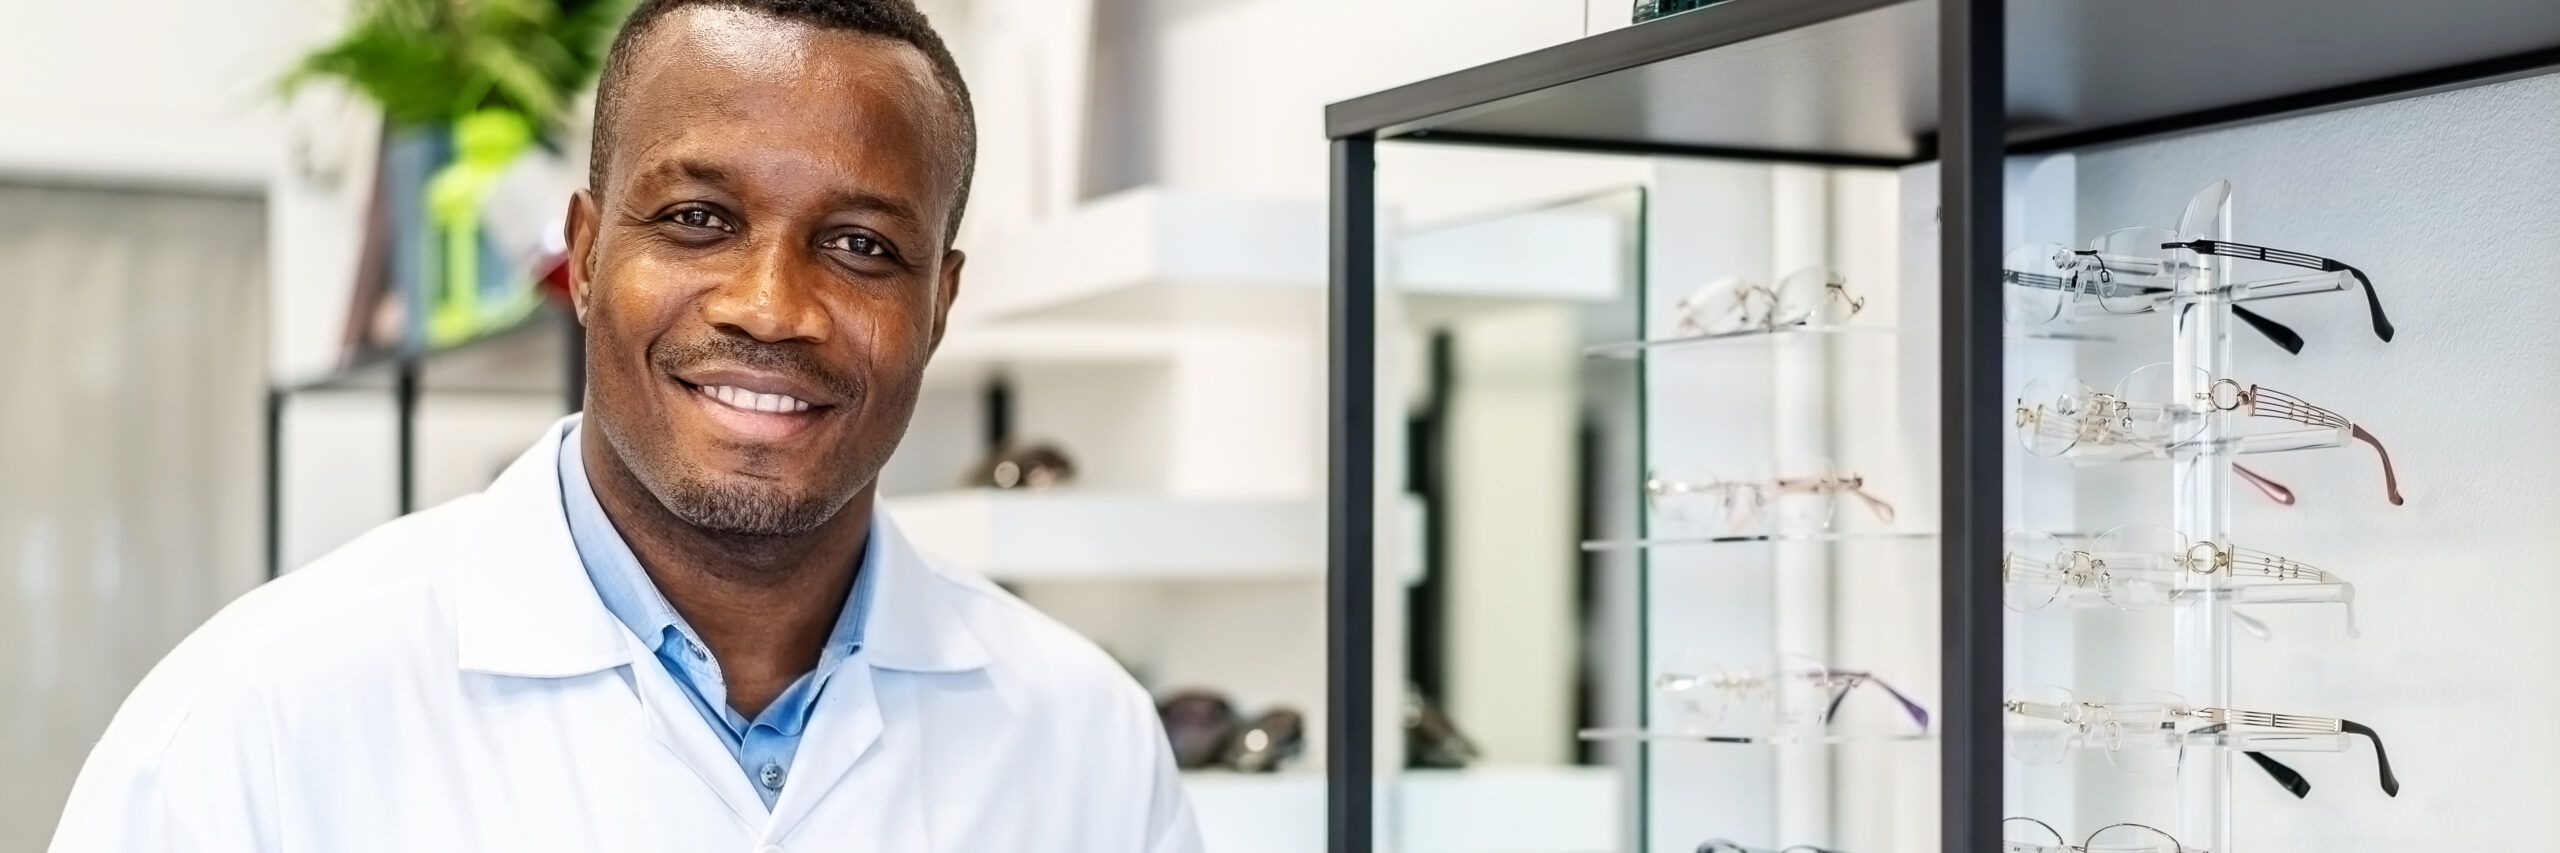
x=764, y=745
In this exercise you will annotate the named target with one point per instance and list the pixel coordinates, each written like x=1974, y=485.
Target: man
x=678, y=624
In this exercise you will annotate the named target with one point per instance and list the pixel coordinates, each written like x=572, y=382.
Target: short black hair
x=898, y=20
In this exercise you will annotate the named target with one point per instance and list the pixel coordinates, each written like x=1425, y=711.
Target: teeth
x=741, y=398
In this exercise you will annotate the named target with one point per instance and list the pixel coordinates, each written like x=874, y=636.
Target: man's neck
x=764, y=604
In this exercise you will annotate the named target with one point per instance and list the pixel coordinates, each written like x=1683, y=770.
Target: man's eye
x=695, y=217
x=860, y=244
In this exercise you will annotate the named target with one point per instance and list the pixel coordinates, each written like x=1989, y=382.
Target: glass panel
x=1510, y=448
x=1791, y=560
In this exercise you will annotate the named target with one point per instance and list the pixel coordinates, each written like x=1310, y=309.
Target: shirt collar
x=526, y=607
x=631, y=596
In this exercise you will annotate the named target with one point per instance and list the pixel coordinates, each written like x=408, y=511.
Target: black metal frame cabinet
x=1964, y=83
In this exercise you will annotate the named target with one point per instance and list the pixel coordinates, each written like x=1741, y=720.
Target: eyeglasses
x=2143, y=735
x=2029, y=835
x=1807, y=501
x=2147, y=410
x=2047, y=278
x=1732, y=304
x=2133, y=270
x=2137, y=567
x=1799, y=695
x=1719, y=845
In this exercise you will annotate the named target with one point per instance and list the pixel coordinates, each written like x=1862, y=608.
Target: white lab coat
x=450, y=682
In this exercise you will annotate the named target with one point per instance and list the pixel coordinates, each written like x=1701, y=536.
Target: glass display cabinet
x=2057, y=425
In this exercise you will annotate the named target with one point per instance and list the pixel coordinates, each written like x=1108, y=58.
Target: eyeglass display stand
x=2200, y=508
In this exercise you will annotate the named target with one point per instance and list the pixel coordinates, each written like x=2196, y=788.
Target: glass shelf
x=2065, y=337
x=1627, y=735
x=1678, y=541
x=2283, y=441
x=2250, y=593
x=1632, y=349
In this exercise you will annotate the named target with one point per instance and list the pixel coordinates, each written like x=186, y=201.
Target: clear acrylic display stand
x=2200, y=508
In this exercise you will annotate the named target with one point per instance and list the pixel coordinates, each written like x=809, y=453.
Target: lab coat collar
x=526, y=607
x=913, y=625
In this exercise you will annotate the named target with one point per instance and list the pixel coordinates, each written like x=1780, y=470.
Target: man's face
x=766, y=272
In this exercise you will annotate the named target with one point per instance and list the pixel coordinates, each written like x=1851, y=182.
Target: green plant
x=428, y=63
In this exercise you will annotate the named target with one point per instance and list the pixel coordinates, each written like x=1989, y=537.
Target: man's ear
x=580, y=233
x=946, y=292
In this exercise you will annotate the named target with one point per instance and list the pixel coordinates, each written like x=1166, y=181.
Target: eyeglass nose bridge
x=2082, y=568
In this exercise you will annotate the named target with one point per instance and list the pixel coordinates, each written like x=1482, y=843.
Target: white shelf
x=970, y=355
x=1172, y=257
x=1074, y=535
x=1481, y=810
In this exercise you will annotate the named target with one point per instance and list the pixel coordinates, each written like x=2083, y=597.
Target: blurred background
x=281, y=270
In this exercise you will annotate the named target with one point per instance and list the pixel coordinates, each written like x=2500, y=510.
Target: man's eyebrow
x=858, y=201
x=866, y=202
x=692, y=170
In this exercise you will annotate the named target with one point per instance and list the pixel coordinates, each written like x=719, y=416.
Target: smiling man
x=678, y=623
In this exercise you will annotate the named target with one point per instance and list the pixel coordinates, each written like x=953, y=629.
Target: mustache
x=675, y=357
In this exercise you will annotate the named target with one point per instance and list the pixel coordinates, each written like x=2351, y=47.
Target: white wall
x=159, y=93
x=2447, y=201
x=129, y=89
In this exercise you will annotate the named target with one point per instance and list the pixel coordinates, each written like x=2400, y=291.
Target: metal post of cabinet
x=1971, y=95
x=404, y=392
x=1351, y=527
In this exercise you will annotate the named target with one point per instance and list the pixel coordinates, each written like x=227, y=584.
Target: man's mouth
x=762, y=414
x=745, y=400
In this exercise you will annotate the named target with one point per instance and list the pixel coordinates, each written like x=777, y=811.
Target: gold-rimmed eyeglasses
x=1798, y=695
x=2140, y=567
x=1808, y=500
x=2161, y=407
x=1730, y=305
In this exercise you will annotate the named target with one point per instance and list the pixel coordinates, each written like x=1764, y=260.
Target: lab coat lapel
x=911, y=632
x=524, y=605
x=844, y=732
x=675, y=725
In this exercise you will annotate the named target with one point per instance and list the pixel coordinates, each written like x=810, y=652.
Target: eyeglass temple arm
x=2282, y=335
x=2274, y=491
x=2382, y=327
x=2288, y=777
x=1911, y=708
x=2292, y=780
x=2390, y=478
x=1882, y=509
x=2295, y=722
x=2390, y=783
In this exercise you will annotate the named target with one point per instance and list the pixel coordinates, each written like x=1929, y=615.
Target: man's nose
x=772, y=298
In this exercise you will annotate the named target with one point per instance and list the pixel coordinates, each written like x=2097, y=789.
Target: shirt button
x=698, y=654
x=771, y=776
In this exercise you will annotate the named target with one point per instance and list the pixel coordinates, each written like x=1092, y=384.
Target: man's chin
x=741, y=506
